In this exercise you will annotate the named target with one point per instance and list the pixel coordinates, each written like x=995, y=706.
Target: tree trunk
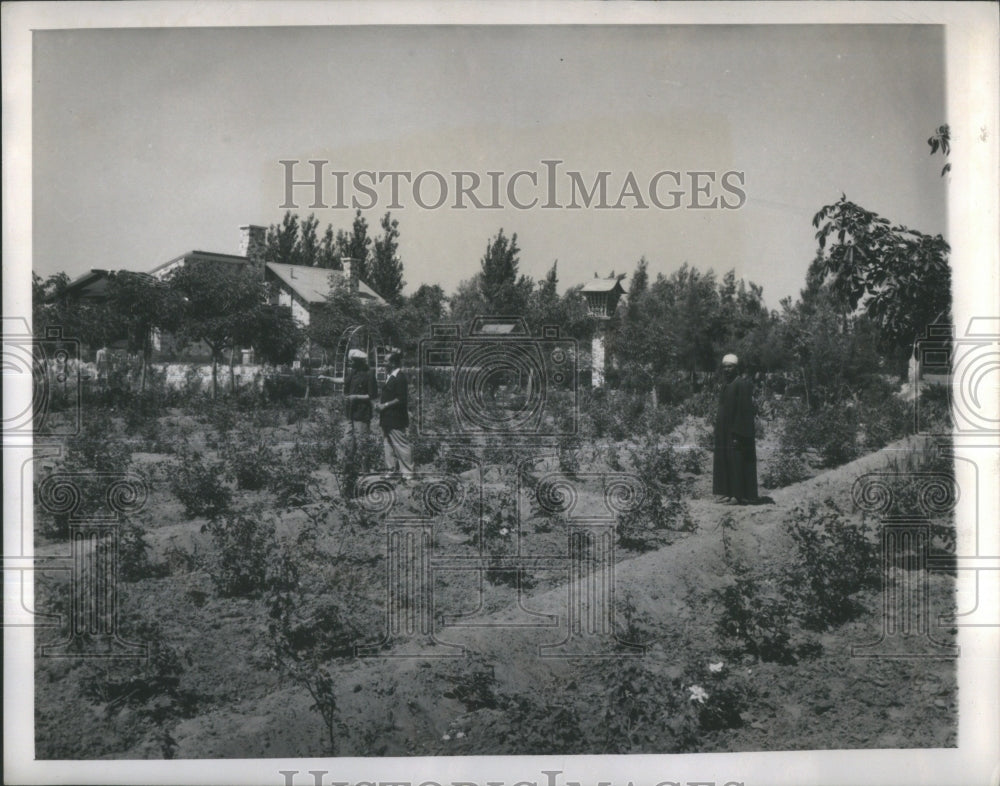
x=232, y=371
x=147, y=350
x=215, y=375
x=308, y=364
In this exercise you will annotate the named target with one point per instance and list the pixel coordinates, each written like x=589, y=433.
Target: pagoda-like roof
x=604, y=285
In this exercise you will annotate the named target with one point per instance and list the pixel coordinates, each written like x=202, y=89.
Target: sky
x=148, y=143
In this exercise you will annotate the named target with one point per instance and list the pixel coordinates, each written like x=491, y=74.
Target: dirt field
x=213, y=685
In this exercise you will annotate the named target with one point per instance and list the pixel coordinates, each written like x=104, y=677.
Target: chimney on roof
x=253, y=244
x=350, y=272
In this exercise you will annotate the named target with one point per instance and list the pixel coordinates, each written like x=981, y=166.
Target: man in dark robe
x=735, y=464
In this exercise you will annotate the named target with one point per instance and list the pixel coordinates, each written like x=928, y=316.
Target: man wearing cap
x=360, y=391
x=395, y=419
x=735, y=463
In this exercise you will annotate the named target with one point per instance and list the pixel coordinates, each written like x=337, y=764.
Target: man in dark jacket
x=360, y=393
x=735, y=464
x=395, y=419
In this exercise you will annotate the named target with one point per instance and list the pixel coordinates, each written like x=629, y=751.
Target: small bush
x=199, y=484
x=662, y=508
x=249, y=459
x=885, y=417
x=837, y=558
x=149, y=685
x=292, y=480
x=245, y=545
x=756, y=616
x=475, y=686
x=784, y=470
x=692, y=460
x=934, y=409
x=133, y=553
x=830, y=431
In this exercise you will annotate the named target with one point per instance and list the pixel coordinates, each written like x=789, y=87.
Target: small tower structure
x=602, y=296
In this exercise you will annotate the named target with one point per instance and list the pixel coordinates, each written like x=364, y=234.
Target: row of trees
x=297, y=242
x=222, y=307
x=870, y=291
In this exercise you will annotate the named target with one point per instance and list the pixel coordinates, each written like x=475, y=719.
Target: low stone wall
x=179, y=375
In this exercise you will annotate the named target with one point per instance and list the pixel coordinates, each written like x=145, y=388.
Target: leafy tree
x=139, y=305
x=569, y=312
x=545, y=299
x=344, y=309
x=502, y=290
x=686, y=321
x=273, y=333
x=899, y=277
x=53, y=305
x=221, y=307
x=941, y=140
x=327, y=255
x=467, y=302
x=386, y=272
x=283, y=241
x=429, y=301
x=425, y=307
x=307, y=249
x=355, y=245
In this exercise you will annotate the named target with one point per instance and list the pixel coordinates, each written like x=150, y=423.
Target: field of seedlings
x=582, y=595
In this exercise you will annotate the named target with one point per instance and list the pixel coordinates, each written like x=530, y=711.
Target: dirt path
x=402, y=706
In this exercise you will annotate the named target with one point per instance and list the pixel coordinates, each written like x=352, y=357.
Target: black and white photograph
x=407, y=393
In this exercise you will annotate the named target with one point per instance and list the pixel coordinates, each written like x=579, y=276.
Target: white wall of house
x=299, y=312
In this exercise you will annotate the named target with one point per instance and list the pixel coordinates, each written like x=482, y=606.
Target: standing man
x=395, y=419
x=360, y=393
x=735, y=464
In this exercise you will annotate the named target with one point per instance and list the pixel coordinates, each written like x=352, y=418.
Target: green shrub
x=830, y=431
x=199, y=484
x=756, y=616
x=245, y=545
x=133, y=553
x=784, y=470
x=662, y=509
x=836, y=559
x=885, y=417
x=292, y=480
x=249, y=459
x=151, y=685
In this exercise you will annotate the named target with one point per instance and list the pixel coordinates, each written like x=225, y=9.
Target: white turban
x=730, y=360
x=357, y=354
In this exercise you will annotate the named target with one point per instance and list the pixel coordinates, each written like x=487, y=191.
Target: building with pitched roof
x=302, y=287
